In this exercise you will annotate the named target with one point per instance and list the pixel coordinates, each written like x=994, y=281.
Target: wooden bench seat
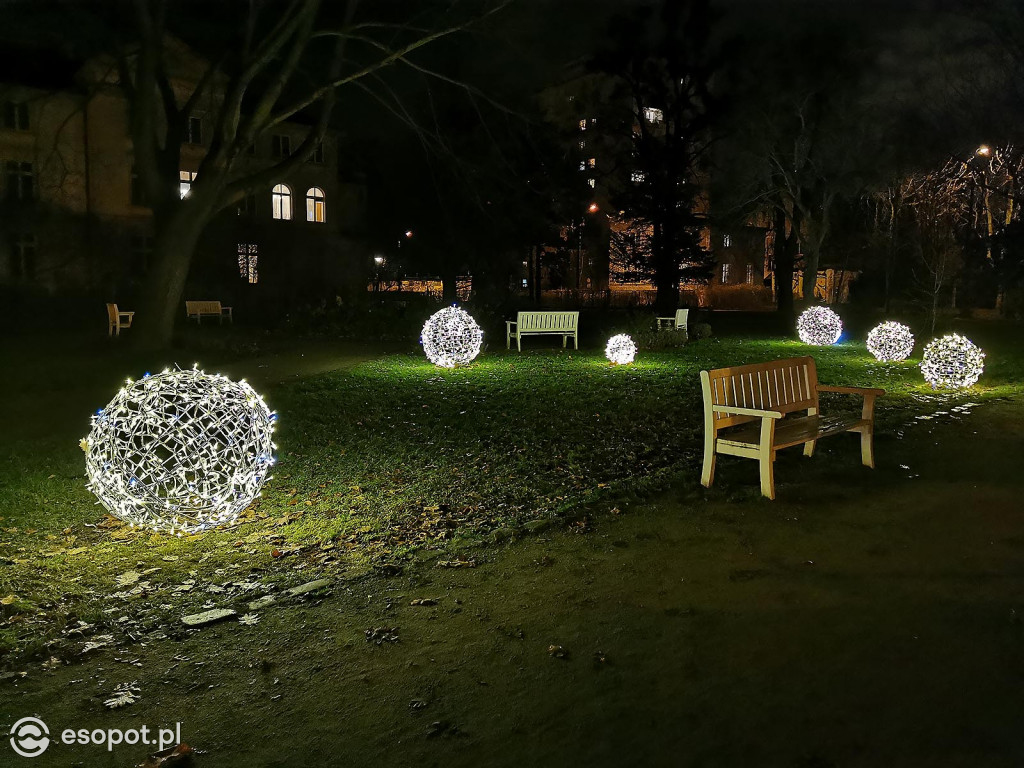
x=746, y=413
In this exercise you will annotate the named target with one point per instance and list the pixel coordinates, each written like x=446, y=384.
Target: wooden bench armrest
x=510, y=323
x=852, y=390
x=746, y=411
x=225, y=310
x=126, y=314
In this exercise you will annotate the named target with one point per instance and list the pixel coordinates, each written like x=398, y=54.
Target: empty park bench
x=116, y=320
x=564, y=324
x=676, y=322
x=756, y=400
x=197, y=310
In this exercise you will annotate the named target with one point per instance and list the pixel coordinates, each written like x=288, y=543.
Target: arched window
x=282, y=200
x=315, y=208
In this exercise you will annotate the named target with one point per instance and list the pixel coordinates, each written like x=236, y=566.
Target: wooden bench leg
x=575, y=341
x=810, y=444
x=519, y=343
x=768, y=476
x=707, y=475
x=867, y=447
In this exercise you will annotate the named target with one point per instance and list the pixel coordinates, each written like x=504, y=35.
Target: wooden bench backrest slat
x=780, y=385
x=547, y=321
x=205, y=307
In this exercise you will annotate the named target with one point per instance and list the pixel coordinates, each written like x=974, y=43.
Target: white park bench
x=756, y=398
x=197, y=310
x=564, y=324
x=116, y=320
x=676, y=322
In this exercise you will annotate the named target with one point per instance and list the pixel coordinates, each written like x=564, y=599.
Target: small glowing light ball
x=451, y=337
x=890, y=341
x=181, y=451
x=819, y=326
x=620, y=350
x=953, y=362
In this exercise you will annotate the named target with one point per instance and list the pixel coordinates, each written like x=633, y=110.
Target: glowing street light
x=378, y=260
x=593, y=208
x=983, y=151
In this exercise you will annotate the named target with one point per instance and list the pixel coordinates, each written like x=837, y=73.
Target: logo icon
x=30, y=737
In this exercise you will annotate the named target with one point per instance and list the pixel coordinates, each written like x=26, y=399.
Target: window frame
x=316, y=205
x=281, y=207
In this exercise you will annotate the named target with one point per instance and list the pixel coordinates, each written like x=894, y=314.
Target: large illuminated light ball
x=621, y=349
x=890, y=342
x=181, y=451
x=952, y=362
x=451, y=337
x=819, y=326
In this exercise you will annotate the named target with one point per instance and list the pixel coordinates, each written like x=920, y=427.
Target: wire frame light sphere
x=890, y=341
x=952, y=362
x=181, y=451
x=451, y=337
x=621, y=349
x=819, y=326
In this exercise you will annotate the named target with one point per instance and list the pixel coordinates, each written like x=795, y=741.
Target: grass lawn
x=863, y=619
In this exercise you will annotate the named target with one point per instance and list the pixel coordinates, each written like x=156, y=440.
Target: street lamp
x=379, y=261
x=983, y=151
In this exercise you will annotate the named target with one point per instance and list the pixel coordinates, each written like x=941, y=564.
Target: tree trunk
x=666, y=271
x=785, y=253
x=172, y=256
x=811, y=258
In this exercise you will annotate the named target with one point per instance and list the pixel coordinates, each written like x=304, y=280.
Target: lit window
x=583, y=144
x=592, y=183
x=583, y=165
x=637, y=177
x=750, y=274
x=583, y=125
x=185, y=180
x=23, y=256
x=194, y=131
x=248, y=262
x=725, y=274
x=653, y=115
x=282, y=201
x=280, y=146
x=20, y=180
x=16, y=116
x=315, y=209
x=592, y=162
x=727, y=241
x=317, y=156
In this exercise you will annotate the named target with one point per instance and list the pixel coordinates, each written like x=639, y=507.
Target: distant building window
x=637, y=177
x=583, y=124
x=592, y=183
x=185, y=180
x=725, y=274
x=247, y=206
x=142, y=253
x=318, y=155
x=727, y=241
x=280, y=146
x=592, y=162
x=16, y=116
x=281, y=197
x=20, y=180
x=23, y=256
x=653, y=115
x=248, y=262
x=583, y=143
x=315, y=208
x=194, y=131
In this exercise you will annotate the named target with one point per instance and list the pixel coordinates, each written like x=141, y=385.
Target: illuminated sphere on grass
x=819, y=326
x=181, y=451
x=952, y=362
x=620, y=350
x=451, y=337
x=890, y=341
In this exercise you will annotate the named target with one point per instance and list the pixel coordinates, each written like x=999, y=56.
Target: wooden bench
x=197, y=310
x=756, y=398
x=564, y=324
x=116, y=320
x=676, y=322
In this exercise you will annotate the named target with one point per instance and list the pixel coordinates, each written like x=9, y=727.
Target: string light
x=451, y=337
x=819, y=326
x=181, y=451
x=890, y=341
x=952, y=362
x=621, y=349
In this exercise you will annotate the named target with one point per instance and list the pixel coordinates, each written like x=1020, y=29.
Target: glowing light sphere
x=181, y=451
x=890, y=341
x=621, y=349
x=451, y=337
x=952, y=362
x=819, y=326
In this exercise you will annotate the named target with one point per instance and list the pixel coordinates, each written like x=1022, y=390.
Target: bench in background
x=197, y=310
x=676, y=322
x=116, y=320
x=564, y=324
